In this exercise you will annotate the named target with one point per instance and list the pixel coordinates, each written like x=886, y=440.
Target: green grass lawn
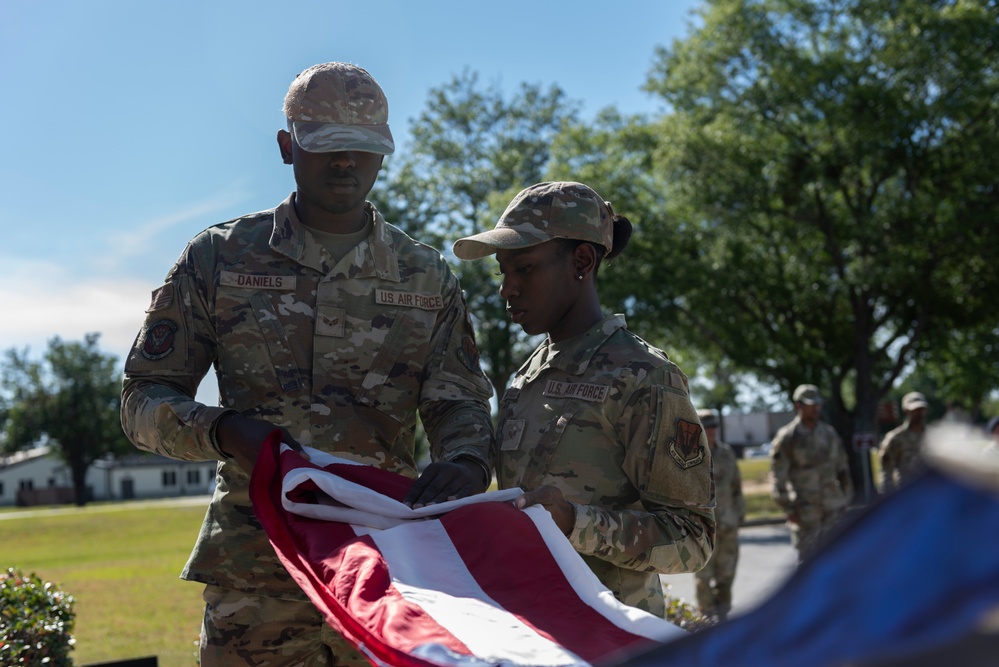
x=121, y=564
x=756, y=489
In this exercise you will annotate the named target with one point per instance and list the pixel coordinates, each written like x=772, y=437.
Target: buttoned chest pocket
x=528, y=444
x=254, y=332
x=810, y=452
x=511, y=434
x=392, y=366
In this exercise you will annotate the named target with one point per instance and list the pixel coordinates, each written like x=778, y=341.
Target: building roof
x=23, y=456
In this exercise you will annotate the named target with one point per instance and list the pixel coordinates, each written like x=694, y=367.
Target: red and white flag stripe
x=472, y=582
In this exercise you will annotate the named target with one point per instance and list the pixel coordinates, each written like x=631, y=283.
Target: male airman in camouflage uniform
x=810, y=472
x=321, y=320
x=597, y=425
x=714, y=580
x=901, y=450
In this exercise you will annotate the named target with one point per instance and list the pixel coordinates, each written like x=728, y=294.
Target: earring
x=579, y=277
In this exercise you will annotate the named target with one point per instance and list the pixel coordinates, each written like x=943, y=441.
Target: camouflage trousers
x=244, y=629
x=812, y=531
x=714, y=580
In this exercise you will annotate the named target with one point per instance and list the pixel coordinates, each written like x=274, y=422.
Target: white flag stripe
x=450, y=595
x=592, y=591
x=363, y=505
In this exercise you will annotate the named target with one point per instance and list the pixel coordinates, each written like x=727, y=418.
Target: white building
x=39, y=477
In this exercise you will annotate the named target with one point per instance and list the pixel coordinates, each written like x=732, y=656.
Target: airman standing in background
x=900, y=453
x=810, y=473
x=714, y=581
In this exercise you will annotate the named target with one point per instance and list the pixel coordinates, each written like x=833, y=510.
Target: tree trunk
x=78, y=468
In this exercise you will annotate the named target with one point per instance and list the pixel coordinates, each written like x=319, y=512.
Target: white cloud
x=41, y=300
x=141, y=239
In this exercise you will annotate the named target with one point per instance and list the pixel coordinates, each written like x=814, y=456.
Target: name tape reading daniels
x=586, y=392
x=233, y=279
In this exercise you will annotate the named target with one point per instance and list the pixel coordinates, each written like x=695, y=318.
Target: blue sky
x=130, y=126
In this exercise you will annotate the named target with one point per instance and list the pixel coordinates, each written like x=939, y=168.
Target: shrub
x=36, y=622
x=686, y=615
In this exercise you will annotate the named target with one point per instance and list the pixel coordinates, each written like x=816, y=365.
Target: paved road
x=766, y=560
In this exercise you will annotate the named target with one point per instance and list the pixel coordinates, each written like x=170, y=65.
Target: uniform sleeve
x=454, y=403
x=780, y=469
x=172, y=353
x=843, y=471
x=668, y=460
x=886, y=457
x=738, y=499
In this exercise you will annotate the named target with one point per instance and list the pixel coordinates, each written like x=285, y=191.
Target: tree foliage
x=826, y=188
x=472, y=149
x=71, y=398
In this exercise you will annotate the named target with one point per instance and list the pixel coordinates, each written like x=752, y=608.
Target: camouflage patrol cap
x=338, y=107
x=807, y=394
x=542, y=212
x=913, y=401
x=708, y=418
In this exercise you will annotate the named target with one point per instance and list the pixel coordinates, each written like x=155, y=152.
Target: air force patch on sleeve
x=685, y=447
x=469, y=355
x=158, y=339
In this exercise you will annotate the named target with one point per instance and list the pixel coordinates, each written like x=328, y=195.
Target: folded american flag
x=472, y=582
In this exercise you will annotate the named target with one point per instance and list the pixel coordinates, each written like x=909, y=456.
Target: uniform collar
x=374, y=256
x=573, y=355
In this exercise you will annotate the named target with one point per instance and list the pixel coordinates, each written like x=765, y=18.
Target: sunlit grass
x=122, y=569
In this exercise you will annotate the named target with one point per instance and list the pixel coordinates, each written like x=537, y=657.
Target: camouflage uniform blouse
x=342, y=354
x=606, y=418
x=730, y=504
x=900, y=456
x=811, y=474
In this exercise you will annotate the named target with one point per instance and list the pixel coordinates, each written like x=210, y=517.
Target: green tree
x=961, y=368
x=70, y=398
x=472, y=149
x=821, y=201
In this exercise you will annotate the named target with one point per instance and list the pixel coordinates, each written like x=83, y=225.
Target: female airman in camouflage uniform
x=597, y=425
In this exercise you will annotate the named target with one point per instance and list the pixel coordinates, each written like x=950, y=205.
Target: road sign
x=866, y=441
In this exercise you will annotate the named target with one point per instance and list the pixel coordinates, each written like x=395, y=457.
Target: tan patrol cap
x=708, y=418
x=913, y=401
x=807, y=394
x=338, y=107
x=542, y=212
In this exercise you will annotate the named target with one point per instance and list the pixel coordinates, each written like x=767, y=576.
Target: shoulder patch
x=468, y=354
x=162, y=298
x=685, y=447
x=158, y=339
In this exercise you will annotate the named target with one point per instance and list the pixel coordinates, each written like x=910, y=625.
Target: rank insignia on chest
x=685, y=447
